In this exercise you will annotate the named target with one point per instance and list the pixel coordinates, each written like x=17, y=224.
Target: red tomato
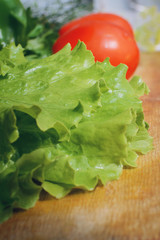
x=104, y=40
x=112, y=18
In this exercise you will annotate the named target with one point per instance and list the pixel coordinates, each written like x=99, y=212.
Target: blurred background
x=128, y=9
x=62, y=10
x=143, y=15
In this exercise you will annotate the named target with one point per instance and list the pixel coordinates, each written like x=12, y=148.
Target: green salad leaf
x=66, y=122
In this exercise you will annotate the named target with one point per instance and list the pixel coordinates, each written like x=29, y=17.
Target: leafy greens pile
x=17, y=25
x=65, y=122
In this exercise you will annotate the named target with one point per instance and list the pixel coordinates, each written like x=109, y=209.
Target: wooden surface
x=127, y=209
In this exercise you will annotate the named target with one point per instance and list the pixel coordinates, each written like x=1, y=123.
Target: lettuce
x=66, y=122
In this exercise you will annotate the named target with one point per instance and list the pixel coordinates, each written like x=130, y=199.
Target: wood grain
x=127, y=209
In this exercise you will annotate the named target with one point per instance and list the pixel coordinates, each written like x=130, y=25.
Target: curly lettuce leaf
x=66, y=122
x=10, y=57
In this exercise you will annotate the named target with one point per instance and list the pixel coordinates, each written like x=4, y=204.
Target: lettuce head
x=66, y=122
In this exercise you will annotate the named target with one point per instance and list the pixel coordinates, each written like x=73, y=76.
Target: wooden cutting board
x=127, y=209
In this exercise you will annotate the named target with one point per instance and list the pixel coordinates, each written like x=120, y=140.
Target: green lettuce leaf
x=66, y=122
x=10, y=57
